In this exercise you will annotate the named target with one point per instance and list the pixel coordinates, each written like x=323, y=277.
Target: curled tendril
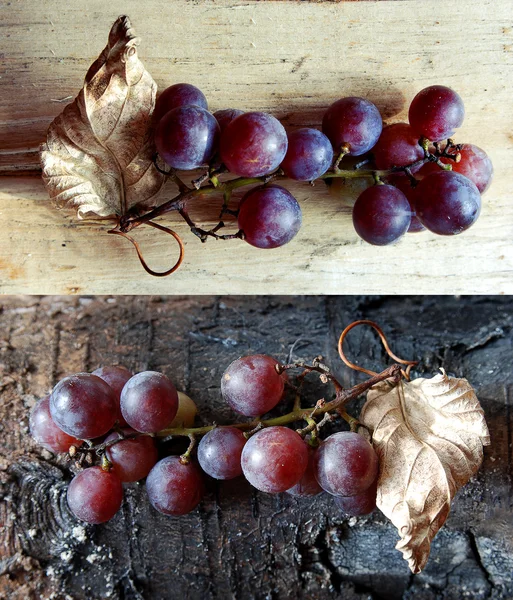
x=139, y=253
x=410, y=363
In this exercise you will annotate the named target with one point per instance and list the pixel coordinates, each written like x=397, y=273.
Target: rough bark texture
x=240, y=543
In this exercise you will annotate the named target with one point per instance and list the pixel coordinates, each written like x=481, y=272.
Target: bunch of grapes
x=422, y=180
x=118, y=416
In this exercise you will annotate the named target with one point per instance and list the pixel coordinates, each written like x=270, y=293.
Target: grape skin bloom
x=436, y=112
x=83, y=406
x=115, y=377
x=353, y=121
x=309, y=155
x=269, y=216
x=398, y=146
x=345, y=464
x=133, y=458
x=225, y=116
x=381, y=215
x=179, y=94
x=253, y=144
x=149, y=402
x=174, y=488
x=219, y=452
x=251, y=385
x=187, y=137
x=448, y=203
x=95, y=495
x=45, y=431
x=308, y=485
x=360, y=504
x=402, y=183
x=274, y=459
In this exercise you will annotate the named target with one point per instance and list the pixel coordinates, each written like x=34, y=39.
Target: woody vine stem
x=209, y=184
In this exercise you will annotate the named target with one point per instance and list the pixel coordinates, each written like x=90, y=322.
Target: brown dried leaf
x=429, y=436
x=98, y=153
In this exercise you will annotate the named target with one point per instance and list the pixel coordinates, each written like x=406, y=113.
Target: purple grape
x=361, y=504
x=274, y=459
x=447, y=203
x=187, y=137
x=345, y=464
x=307, y=485
x=83, y=406
x=46, y=432
x=436, y=112
x=179, y=94
x=225, y=116
x=269, y=216
x=116, y=377
x=309, y=155
x=253, y=144
x=149, y=402
x=132, y=459
x=174, y=488
x=251, y=385
x=381, y=215
x=352, y=121
x=94, y=495
x=398, y=146
x=219, y=452
x=402, y=183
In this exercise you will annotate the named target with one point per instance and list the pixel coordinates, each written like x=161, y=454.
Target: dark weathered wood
x=240, y=543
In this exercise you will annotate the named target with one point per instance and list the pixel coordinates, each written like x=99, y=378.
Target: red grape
x=307, y=485
x=269, y=216
x=46, y=432
x=309, y=155
x=174, y=488
x=116, y=377
x=402, y=183
x=360, y=504
x=274, y=459
x=132, y=459
x=345, y=464
x=253, y=144
x=447, y=203
x=381, y=215
x=398, y=146
x=149, y=402
x=179, y=94
x=474, y=164
x=219, y=452
x=226, y=115
x=83, y=406
x=251, y=385
x=95, y=495
x=436, y=112
x=352, y=121
x=187, y=137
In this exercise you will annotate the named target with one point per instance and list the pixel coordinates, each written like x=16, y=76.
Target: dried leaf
x=99, y=149
x=429, y=436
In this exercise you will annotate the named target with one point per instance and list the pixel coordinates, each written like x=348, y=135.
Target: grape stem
x=209, y=184
x=342, y=397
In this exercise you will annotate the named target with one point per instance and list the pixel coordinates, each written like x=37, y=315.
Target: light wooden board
x=292, y=59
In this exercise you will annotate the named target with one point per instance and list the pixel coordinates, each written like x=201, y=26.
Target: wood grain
x=292, y=59
x=241, y=544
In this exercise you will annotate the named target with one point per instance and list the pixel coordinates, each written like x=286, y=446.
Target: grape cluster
x=115, y=415
x=422, y=180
